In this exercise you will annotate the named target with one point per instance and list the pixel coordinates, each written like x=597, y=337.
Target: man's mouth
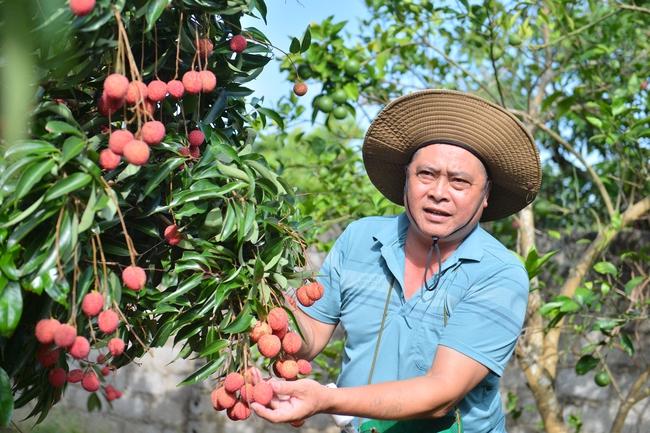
x=434, y=211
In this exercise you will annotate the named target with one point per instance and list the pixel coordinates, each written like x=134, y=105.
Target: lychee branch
x=129, y=326
x=129, y=242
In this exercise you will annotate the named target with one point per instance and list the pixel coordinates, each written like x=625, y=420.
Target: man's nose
x=439, y=189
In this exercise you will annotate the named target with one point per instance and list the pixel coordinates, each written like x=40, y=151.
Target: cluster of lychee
x=238, y=390
x=56, y=337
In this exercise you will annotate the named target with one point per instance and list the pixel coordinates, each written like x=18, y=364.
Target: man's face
x=445, y=186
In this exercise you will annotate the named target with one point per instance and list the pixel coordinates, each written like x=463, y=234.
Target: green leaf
x=11, y=308
x=242, y=323
x=71, y=148
x=6, y=399
x=185, y=287
x=585, y=364
x=33, y=147
x=203, y=372
x=59, y=127
x=156, y=8
x=306, y=41
x=605, y=268
x=633, y=284
x=67, y=185
x=273, y=115
x=161, y=173
x=595, y=121
x=569, y=306
x=295, y=46
x=626, y=343
x=31, y=177
x=24, y=214
x=93, y=403
x=214, y=347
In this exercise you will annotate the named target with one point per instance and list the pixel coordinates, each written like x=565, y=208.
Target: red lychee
x=263, y=393
x=106, y=370
x=260, y=328
x=238, y=43
x=224, y=398
x=278, y=319
x=136, y=92
x=108, y=106
x=315, y=290
x=195, y=152
x=291, y=343
x=92, y=303
x=149, y=108
x=116, y=346
x=246, y=392
x=134, y=277
x=153, y=132
x=109, y=160
x=205, y=47
x=269, y=345
x=116, y=86
x=45, y=329
x=90, y=381
x=192, y=82
x=101, y=358
x=108, y=321
x=215, y=400
x=281, y=333
x=57, y=377
x=176, y=89
x=75, y=375
x=288, y=369
x=136, y=152
x=184, y=151
x=304, y=366
x=208, y=81
x=118, y=140
x=233, y=382
x=156, y=90
x=47, y=356
x=196, y=137
x=277, y=367
x=111, y=393
x=64, y=335
x=300, y=89
x=80, y=348
x=82, y=7
x=172, y=235
x=239, y=412
x=303, y=297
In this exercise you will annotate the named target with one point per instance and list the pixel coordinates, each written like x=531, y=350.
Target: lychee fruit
x=116, y=86
x=196, y=137
x=64, y=335
x=315, y=290
x=246, y=392
x=106, y=370
x=136, y=92
x=303, y=297
x=205, y=47
x=108, y=321
x=136, y=152
x=149, y=108
x=277, y=367
x=297, y=423
x=134, y=277
x=47, y=356
x=92, y=303
x=224, y=398
x=263, y=393
x=239, y=412
x=111, y=393
x=233, y=382
x=118, y=140
x=90, y=381
x=57, y=377
x=172, y=235
x=184, y=151
x=108, y=160
x=108, y=106
x=278, y=319
x=259, y=329
x=238, y=43
x=152, y=132
x=281, y=333
x=269, y=345
x=82, y=7
x=304, y=366
x=101, y=358
x=195, y=152
x=75, y=375
x=208, y=81
x=156, y=90
x=45, y=329
x=252, y=375
x=215, y=400
x=300, y=89
x=288, y=369
x=192, y=82
x=291, y=343
x=80, y=348
x=176, y=89
x=116, y=346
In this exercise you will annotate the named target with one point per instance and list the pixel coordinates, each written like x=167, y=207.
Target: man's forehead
x=447, y=156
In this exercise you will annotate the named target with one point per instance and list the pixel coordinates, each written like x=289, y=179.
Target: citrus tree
x=576, y=74
x=133, y=210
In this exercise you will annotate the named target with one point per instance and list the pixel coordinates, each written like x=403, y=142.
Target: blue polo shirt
x=478, y=309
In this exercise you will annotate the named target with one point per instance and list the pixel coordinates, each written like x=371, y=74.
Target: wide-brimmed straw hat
x=437, y=116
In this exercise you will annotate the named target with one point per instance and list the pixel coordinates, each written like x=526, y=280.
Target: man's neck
x=417, y=248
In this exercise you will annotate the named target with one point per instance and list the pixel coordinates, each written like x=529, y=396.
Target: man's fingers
x=268, y=414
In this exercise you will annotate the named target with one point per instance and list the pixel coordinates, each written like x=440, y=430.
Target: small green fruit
x=514, y=40
x=304, y=71
x=339, y=96
x=352, y=67
x=325, y=104
x=602, y=378
x=340, y=112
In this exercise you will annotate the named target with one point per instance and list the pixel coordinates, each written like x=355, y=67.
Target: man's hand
x=293, y=401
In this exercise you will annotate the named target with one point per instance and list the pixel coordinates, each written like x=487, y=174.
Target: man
x=431, y=304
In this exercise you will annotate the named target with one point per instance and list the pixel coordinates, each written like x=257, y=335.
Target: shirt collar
x=471, y=248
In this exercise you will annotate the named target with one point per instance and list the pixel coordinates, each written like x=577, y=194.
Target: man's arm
x=316, y=334
x=433, y=395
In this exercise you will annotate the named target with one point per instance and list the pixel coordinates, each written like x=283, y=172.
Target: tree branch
x=638, y=392
x=575, y=32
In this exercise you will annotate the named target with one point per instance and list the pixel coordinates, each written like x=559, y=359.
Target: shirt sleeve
x=487, y=321
x=328, y=308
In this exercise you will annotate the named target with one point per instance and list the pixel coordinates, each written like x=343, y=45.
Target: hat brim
x=432, y=116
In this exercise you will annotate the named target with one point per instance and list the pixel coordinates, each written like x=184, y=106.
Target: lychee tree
x=134, y=211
